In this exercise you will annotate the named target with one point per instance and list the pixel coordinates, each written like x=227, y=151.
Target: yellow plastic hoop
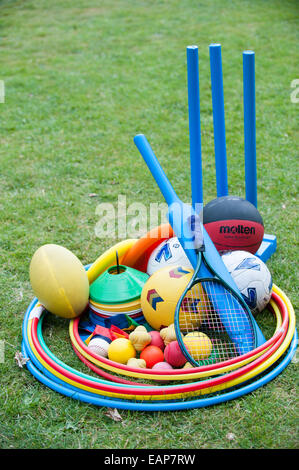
x=181, y=395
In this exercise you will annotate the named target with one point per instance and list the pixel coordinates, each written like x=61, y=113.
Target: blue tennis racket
x=211, y=298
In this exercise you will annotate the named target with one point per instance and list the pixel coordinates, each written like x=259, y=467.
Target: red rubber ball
x=157, y=340
x=173, y=355
x=152, y=355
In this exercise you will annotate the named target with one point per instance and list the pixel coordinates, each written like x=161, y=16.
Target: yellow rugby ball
x=59, y=281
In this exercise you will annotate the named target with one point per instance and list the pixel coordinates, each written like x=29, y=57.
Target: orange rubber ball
x=152, y=355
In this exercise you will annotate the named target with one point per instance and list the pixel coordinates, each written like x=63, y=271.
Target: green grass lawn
x=81, y=79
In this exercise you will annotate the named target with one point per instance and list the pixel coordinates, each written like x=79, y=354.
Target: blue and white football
x=168, y=253
x=251, y=276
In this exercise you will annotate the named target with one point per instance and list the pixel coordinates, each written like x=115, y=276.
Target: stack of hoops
x=123, y=387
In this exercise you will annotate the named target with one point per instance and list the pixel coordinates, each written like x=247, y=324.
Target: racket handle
x=179, y=215
x=155, y=168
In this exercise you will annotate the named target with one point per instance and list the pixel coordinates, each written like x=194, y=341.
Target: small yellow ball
x=121, y=350
x=198, y=344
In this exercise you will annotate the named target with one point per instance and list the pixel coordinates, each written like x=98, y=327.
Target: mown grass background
x=81, y=79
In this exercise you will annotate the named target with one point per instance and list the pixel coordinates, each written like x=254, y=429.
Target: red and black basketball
x=233, y=224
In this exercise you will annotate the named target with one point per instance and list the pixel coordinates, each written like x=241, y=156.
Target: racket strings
x=203, y=331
